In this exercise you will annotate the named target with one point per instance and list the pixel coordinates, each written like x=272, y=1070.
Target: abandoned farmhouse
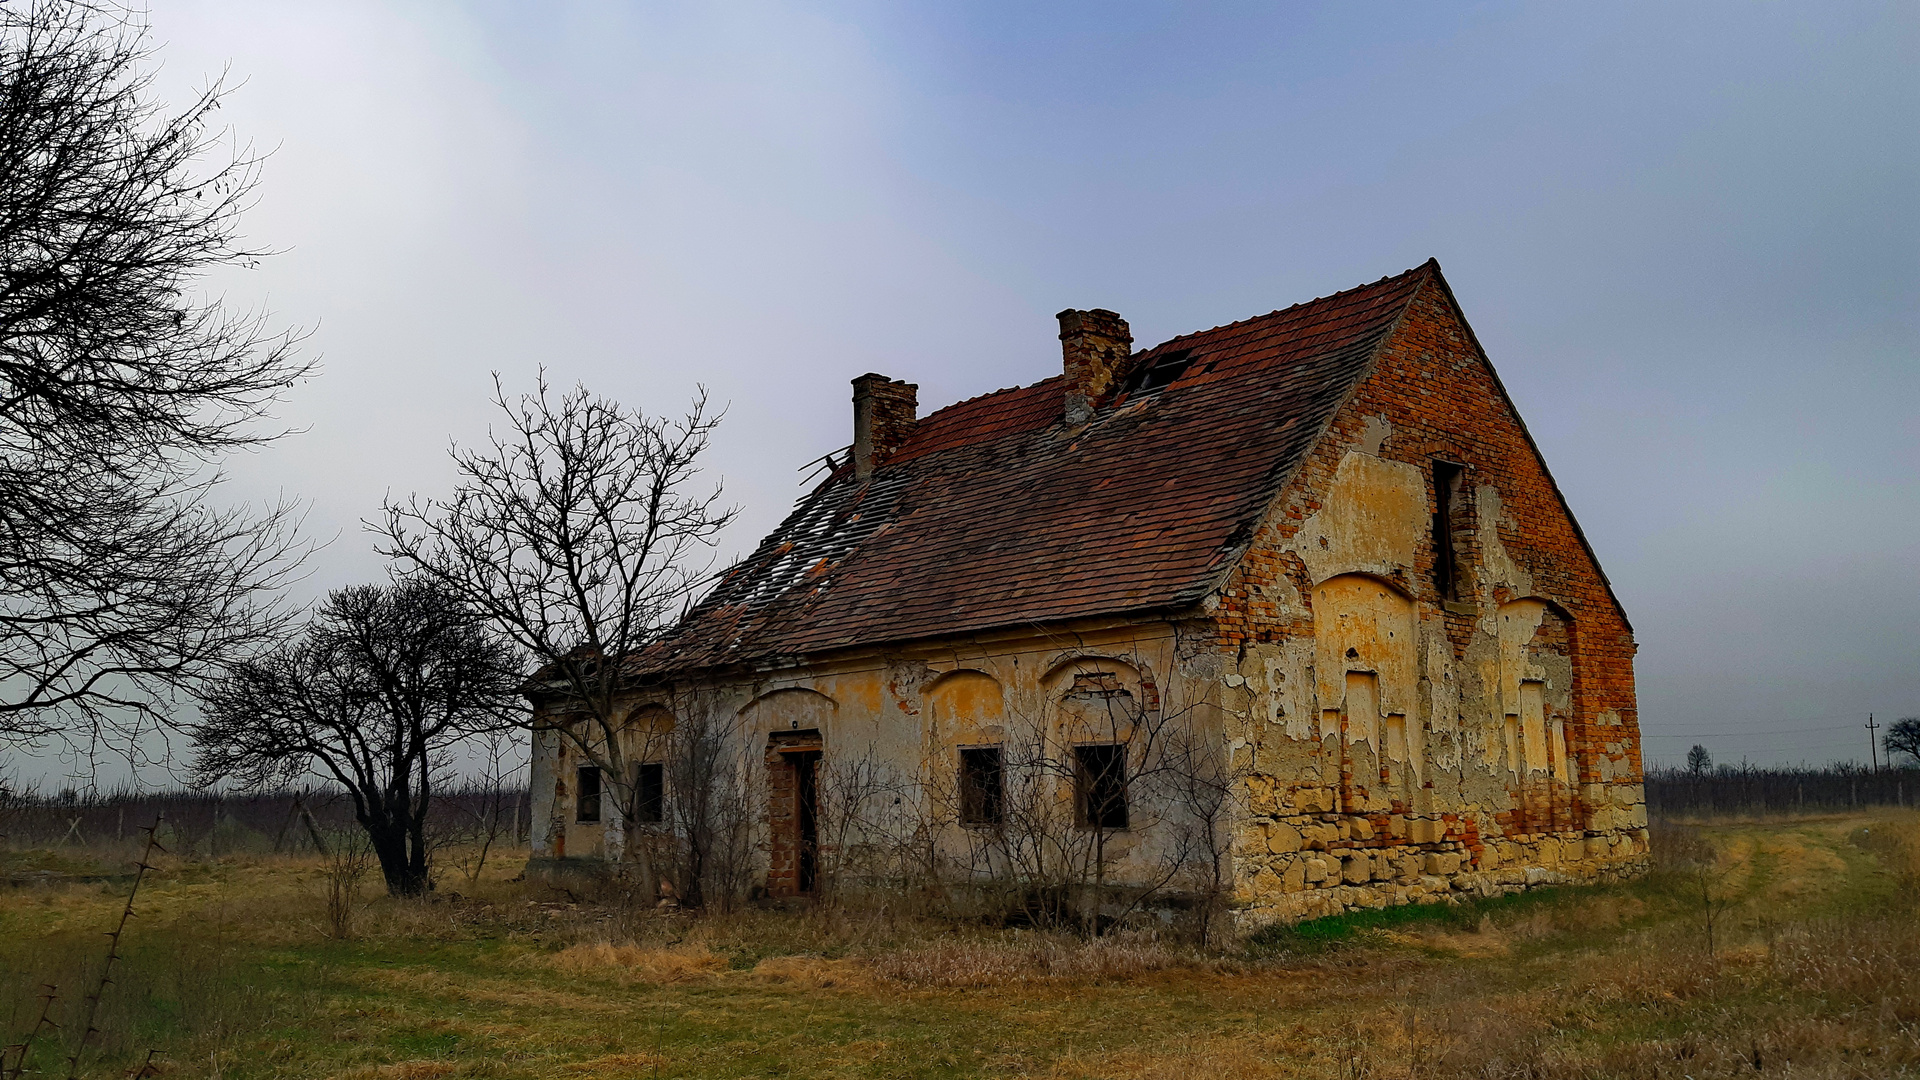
x=1288, y=613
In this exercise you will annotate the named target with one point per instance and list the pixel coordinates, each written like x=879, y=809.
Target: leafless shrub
x=85, y=1030
x=22, y=1050
x=1687, y=853
x=482, y=812
x=345, y=864
x=1105, y=759
x=873, y=831
x=1353, y=1052
x=711, y=817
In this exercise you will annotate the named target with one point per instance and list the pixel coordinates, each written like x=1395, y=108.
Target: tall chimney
x=884, y=414
x=1095, y=345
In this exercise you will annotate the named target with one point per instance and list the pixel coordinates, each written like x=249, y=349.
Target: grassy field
x=1814, y=972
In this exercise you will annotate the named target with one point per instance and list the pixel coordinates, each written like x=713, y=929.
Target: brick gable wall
x=1431, y=395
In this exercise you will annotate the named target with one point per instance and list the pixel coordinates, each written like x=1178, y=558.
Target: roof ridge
x=1196, y=333
x=1304, y=303
x=984, y=394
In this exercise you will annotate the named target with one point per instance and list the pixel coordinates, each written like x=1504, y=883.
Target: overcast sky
x=1687, y=235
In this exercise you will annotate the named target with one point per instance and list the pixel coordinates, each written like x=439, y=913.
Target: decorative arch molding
x=653, y=715
x=1089, y=663
x=1531, y=629
x=1385, y=582
x=941, y=680
x=965, y=706
x=790, y=708
x=1364, y=623
x=789, y=693
x=1548, y=602
x=966, y=692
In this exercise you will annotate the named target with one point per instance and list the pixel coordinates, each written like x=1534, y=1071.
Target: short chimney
x=884, y=414
x=1095, y=345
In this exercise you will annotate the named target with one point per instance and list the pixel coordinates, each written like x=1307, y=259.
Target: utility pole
x=1873, y=744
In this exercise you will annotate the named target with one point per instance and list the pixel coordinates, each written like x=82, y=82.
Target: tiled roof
x=994, y=513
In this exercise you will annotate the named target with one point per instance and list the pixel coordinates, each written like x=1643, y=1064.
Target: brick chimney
x=1095, y=345
x=884, y=414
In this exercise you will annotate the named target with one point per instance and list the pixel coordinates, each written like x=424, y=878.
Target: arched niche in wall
x=648, y=730
x=1364, y=657
x=1536, y=688
x=965, y=706
x=792, y=709
x=1097, y=698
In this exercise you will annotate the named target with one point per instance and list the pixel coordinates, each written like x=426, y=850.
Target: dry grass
x=1033, y=958
x=230, y=972
x=635, y=964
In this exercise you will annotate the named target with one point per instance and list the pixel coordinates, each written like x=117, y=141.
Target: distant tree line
x=1701, y=787
x=198, y=823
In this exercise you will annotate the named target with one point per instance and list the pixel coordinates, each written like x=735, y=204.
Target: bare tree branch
x=120, y=583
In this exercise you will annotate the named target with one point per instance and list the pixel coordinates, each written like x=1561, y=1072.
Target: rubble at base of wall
x=1361, y=879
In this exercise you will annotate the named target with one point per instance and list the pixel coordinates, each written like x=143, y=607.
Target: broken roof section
x=996, y=512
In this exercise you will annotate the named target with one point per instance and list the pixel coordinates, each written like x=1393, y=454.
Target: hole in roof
x=1159, y=372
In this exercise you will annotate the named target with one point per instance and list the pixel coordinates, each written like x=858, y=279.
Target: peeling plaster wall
x=908, y=712
x=1403, y=746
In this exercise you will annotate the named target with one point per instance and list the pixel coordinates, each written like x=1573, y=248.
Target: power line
x=1735, y=732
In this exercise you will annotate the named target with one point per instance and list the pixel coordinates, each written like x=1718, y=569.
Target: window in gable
x=1448, y=503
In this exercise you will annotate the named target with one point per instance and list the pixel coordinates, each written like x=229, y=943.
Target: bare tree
x=380, y=684
x=1699, y=762
x=1903, y=737
x=121, y=583
x=582, y=535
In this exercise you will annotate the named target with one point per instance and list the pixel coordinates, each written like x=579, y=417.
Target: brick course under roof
x=996, y=514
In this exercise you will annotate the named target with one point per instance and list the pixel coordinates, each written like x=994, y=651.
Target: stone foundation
x=1345, y=875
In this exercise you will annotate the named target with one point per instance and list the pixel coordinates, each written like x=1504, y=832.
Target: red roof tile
x=995, y=514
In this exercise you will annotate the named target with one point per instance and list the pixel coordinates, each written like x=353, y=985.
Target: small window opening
x=650, y=793
x=1446, y=559
x=1100, y=782
x=586, y=794
x=981, y=786
x=1162, y=371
